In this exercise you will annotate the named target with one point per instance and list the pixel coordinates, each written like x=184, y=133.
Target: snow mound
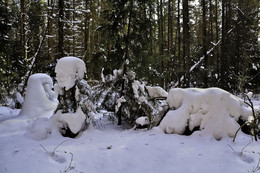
x=40, y=99
x=75, y=122
x=213, y=110
x=68, y=70
x=40, y=128
x=142, y=121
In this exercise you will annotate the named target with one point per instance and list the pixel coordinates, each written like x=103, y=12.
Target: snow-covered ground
x=108, y=148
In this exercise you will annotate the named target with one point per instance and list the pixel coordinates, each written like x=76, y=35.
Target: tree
x=61, y=29
x=204, y=36
x=186, y=41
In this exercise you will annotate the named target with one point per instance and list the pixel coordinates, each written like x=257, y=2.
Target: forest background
x=170, y=43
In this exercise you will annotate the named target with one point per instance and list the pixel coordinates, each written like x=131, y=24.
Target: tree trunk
x=50, y=29
x=223, y=59
x=61, y=29
x=205, y=43
x=179, y=32
x=170, y=28
x=73, y=31
x=125, y=59
x=186, y=41
x=22, y=29
x=87, y=28
x=217, y=34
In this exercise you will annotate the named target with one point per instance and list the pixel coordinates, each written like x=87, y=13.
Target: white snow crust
x=40, y=99
x=138, y=86
x=40, y=128
x=142, y=121
x=119, y=103
x=68, y=70
x=75, y=121
x=112, y=149
x=213, y=110
x=156, y=91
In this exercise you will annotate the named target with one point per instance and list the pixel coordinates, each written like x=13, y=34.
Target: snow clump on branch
x=68, y=70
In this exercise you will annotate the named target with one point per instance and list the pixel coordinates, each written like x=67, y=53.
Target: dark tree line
x=184, y=43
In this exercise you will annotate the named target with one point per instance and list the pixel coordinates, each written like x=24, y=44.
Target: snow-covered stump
x=214, y=111
x=40, y=99
x=69, y=116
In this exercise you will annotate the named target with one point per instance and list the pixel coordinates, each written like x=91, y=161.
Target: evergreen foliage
x=163, y=39
x=133, y=101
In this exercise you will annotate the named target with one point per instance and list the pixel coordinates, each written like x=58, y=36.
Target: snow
x=137, y=85
x=119, y=103
x=249, y=95
x=35, y=145
x=40, y=128
x=40, y=99
x=155, y=92
x=142, y=121
x=75, y=121
x=19, y=98
x=112, y=149
x=68, y=70
x=213, y=110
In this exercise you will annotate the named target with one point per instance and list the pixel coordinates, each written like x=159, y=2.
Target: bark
x=61, y=29
x=186, y=41
x=87, y=28
x=204, y=36
x=126, y=57
x=223, y=60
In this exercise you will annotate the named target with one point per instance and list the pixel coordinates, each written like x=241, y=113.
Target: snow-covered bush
x=213, y=110
x=252, y=126
x=134, y=99
x=40, y=99
x=74, y=94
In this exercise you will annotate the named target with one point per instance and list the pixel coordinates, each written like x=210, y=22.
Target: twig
x=238, y=131
x=246, y=146
x=44, y=148
x=58, y=146
x=69, y=167
x=232, y=148
x=257, y=166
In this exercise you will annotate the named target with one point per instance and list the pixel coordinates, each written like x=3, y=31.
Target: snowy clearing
x=110, y=148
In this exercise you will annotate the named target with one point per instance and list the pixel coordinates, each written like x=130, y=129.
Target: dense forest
x=170, y=43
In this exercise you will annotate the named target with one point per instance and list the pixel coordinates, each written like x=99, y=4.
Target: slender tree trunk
x=179, y=32
x=151, y=30
x=217, y=35
x=50, y=29
x=170, y=28
x=223, y=48
x=186, y=41
x=22, y=29
x=204, y=36
x=73, y=31
x=211, y=20
x=87, y=27
x=125, y=58
x=61, y=29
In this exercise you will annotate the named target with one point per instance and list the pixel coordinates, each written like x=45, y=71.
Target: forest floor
x=108, y=148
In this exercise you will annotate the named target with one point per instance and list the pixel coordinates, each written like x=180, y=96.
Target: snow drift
x=213, y=110
x=40, y=99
